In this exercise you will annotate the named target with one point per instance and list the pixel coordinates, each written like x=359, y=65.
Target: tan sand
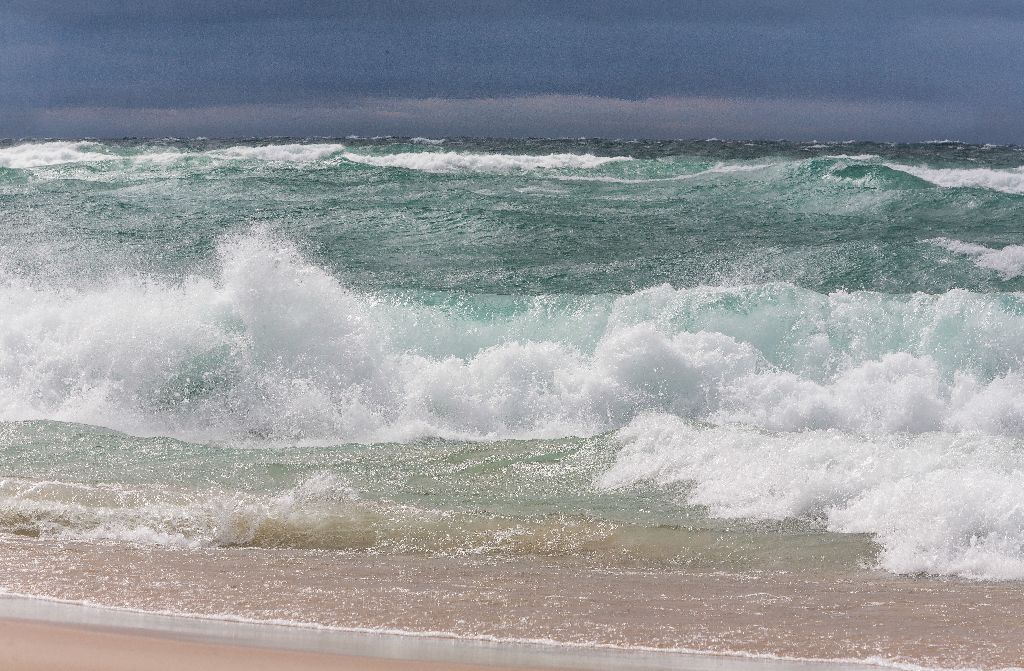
x=33, y=646
x=836, y=615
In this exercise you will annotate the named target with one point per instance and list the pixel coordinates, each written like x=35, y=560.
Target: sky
x=801, y=70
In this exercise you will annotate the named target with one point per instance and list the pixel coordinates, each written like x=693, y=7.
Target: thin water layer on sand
x=812, y=613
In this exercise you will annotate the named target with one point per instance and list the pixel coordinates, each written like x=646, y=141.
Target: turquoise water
x=689, y=214
x=704, y=352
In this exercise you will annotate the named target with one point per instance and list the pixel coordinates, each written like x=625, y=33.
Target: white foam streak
x=1008, y=261
x=274, y=347
x=1006, y=181
x=853, y=157
x=873, y=413
x=433, y=161
x=159, y=515
x=38, y=154
x=937, y=503
x=721, y=168
x=299, y=153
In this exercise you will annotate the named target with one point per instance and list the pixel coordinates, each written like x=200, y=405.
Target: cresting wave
x=1006, y=181
x=321, y=512
x=41, y=155
x=893, y=416
x=937, y=503
x=868, y=412
x=455, y=161
x=37, y=155
x=274, y=347
x=1008, y=261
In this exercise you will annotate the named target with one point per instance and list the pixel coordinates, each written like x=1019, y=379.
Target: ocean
x=491, y=376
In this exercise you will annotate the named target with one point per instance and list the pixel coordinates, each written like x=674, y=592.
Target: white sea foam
x=162, y=515
x=275, y=347
x=1008, y=261
x=854, y=157
x=38, y=154
x=720, y=168
x=301, y=153
x=426, y=140
x=434, y=161
x=322, y=511
x=871, y=412
x=937, y=503
x=1006, y=181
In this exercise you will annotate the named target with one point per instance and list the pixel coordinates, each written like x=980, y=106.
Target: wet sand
x=33, y=646
x=838, y=614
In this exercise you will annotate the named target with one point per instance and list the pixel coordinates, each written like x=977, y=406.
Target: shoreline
x=44, y=646
x=497, y=609
x=42, y=633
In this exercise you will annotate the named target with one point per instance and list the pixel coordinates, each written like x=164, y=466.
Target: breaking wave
x=43, y=154
x=321, y=512
x=1005, y=181
x=1008, y=261
x=274, y=347
x=898, y=416
x=936, y=503
x=433, y=161
x=40, y=154
x=863, y=169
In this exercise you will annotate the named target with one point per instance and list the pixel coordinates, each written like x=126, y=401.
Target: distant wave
x=1005, y=181
x=455, y=161
x=278, y=152
x=42, y=154
x=1008, y=261
x=37, y=154
x=718, y=169
x=854, y=157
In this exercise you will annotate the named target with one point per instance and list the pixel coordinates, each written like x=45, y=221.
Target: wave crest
x=1008, y=261
x=274, y=347
x=39, y=154
x=1005, y=181
x=937, y=503
x=435, y=161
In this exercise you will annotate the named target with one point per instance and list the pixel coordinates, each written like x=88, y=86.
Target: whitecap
x=1007, y=261
x=937, y=503
x=456, y=161
x=1005, y=181
x=39, y=154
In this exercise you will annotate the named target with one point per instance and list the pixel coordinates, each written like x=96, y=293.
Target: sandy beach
x=33, y=646
x=45, y=635
x=808, y=614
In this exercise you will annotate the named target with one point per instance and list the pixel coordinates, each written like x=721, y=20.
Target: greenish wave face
x=696, y=352
x=454, y=217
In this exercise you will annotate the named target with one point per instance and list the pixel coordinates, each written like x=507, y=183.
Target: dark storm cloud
x=959, y=65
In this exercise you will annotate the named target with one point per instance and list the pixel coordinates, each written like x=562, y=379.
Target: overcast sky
x=676, y=69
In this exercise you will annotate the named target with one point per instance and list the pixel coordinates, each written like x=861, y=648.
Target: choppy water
x=724, y=354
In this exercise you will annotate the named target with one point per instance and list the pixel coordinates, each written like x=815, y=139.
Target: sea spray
x=274, y=347
x=708, y=354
